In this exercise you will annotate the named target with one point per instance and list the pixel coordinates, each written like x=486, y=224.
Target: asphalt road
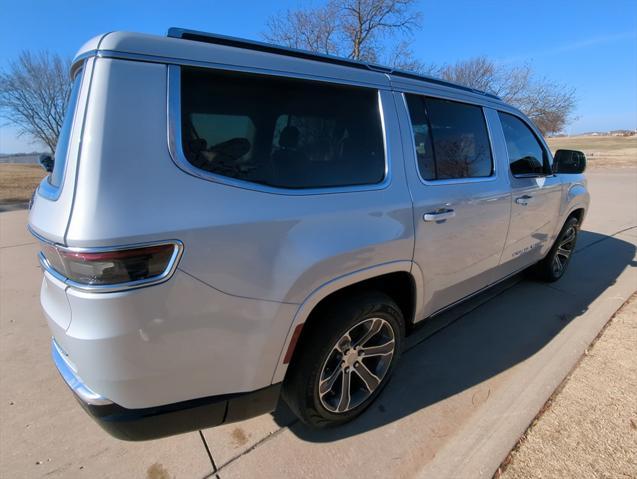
x=459, y=400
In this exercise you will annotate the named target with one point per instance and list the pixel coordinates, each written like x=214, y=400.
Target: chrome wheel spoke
x=380, y=350
x=345, y=398
x=370, y=379
x=327, y=384
x=344, y=343
x=565, y=253
x=568, y=237
x=374, y=328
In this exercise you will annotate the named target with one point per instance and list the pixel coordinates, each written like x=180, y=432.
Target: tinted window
x=526, y=155
x=61, y=149
x=451, y=139
x=422, y=136
x=281, y=132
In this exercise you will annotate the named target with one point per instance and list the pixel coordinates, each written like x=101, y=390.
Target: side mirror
x=569, y=162
x=46, y=161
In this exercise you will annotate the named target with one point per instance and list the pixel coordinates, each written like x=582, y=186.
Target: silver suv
x=227, y=222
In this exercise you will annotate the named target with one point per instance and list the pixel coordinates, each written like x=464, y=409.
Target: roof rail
x=217, y=39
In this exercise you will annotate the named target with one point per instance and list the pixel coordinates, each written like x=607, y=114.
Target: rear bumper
x=166, y=420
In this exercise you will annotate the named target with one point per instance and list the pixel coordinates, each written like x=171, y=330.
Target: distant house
x=623, y=132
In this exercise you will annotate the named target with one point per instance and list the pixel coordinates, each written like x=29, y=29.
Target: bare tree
x=34, y=91
x=401, y=57
x=350, y=28
x=364, y=22
x=360, y=29
x=313, y=29
x=549, y=105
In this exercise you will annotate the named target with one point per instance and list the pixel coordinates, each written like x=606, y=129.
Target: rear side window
x=281, y=132
x=451, y=139
x=527, y=157
x=62, y=147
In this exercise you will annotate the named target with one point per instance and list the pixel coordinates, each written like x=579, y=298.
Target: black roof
x=205, y=37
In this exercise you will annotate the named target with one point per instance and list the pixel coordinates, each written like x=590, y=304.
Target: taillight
x=104, y=267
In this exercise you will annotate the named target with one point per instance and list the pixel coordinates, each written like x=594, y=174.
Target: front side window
x=527, y=157
x=281, y=132
x=62, y=147
x=451, y=139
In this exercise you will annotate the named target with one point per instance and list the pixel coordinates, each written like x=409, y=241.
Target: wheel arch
x=577, y=201
x=394, y=279
x=579, y=213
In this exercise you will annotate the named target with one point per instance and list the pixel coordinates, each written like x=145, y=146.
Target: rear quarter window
x=281, y=132
x=62, y=147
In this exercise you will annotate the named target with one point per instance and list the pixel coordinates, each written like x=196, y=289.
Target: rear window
x=451, y=139
x=281, y=132
x=61, y=150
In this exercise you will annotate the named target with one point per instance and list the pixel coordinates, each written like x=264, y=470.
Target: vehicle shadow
x=485, y=336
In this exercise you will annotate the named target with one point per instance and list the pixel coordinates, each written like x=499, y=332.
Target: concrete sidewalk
x=458, y=403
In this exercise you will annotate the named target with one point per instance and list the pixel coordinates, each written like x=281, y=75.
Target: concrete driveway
x=467, y=388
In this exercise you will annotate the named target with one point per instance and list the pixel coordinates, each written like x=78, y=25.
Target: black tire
x=323, y=348
x=554, y=265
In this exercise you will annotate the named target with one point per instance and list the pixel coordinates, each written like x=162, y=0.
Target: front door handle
x=523, y=200
x=439, y=215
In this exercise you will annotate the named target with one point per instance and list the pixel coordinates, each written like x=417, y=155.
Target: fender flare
x=323, y=291
x=577, y=198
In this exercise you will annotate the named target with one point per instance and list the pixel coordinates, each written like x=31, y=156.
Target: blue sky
x=590, y=45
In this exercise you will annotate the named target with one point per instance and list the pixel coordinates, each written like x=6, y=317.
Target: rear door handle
x=439, y=215
x=523, y=200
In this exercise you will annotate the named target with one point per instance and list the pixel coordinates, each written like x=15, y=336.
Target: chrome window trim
x=163, y=60
x=178, y=157
x=447, y=93
x=111, y=288
x=452, y=181
x=45, y=188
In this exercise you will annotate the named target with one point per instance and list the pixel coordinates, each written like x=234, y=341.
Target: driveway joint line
x=205, y=445
x=18, y=245
x=604, y=238
x=257, y=444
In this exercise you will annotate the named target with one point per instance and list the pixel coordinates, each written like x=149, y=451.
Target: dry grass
x=589, y=428
x=601, y=151
x=17, y=181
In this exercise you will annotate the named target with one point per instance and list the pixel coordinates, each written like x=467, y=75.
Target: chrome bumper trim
x=82, y=391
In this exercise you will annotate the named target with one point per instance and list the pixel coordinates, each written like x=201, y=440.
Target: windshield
x=55, y=178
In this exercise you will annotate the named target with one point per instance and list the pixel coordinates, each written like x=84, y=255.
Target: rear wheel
x=554, y=265
x=345, y=359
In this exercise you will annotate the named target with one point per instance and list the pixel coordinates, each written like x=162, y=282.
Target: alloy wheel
x=356, y=365
x=564, y=250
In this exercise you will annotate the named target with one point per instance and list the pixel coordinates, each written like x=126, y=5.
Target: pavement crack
x=212, y=461
x=559, y=290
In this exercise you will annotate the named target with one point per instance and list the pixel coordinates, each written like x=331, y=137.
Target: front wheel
x=554, y=266
x=346, y=358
